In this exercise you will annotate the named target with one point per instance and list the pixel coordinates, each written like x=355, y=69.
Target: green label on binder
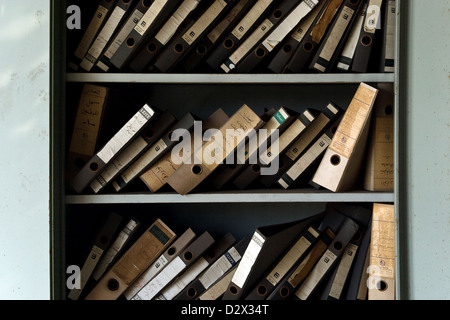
x=159, y=234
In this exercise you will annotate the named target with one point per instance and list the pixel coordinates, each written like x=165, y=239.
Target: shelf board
x=266, y=196
x=168, y=78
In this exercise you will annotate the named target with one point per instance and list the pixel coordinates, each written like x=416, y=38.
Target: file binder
x=381, y=282
x=327, y=260
x=267, y=245
x=343, y=160
x=244, y=27
x=151, y=134
x=305, y=139
x=276, y=36
x=171, y=291
x=104, y=64
x=157, y=13
x=292, y=42
x=153, y=154
x=150, y=245
x=348, y=52
x=119, y=244
x=370, y=30
x=156, y=177
x=195, y=59
x=271, y=20
x=101, y=244
x=379, y=171
x=179, y=244
x=217, y=290
x=88, y=121
x=297, y=251
x=388, y=48
x=215, y=151
x=113, y=147
x=303, y=167
x=97, y=21
x=163, y=36
x=310, y=43
x=184, y=41
x=215, y=272
x=116, y=18
x=183, y=261
x=336, y=37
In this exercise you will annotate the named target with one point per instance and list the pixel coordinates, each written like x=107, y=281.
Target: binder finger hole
x=152, y=47
x=388, y=110
x=277, y=14
x=131, y=42
x=335, y=160
x=287, y=48
x=171, y=251
x=308, y=46
x=284, y=292
x=260, y=53
x=256, y=168
x=113, y=285
x=366, y=40
x=192, y=292
x=197, y=170
x=382, y=285
x=188, y=256
x=354, y=2
x=233, y=290
x=146, y=3
x=201, y=49
x=228, y=43
x=261, y=290
x=149, y=133
x=126, y=1
x=338, y=245
x=179, y=48
x=94, y=167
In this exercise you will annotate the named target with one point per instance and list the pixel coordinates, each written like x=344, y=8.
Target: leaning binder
x=163, y=36
x=113, y=147
x=153, y=154
x=156, y=14
x=138, y=12
x=252, y=18
x=183, y=261
x=136, y=260
x=97, y=21
x=388, y=48
x=212, y=154
x=276, y=36
x=267, y=245
x=101, y=243
x=335, y=39
x=184, y=41
x=343, y=160
x=117, y=16
x=215, y=272
x=218, y=289
x=370, y=30
x=139, y=145
x=179, y=244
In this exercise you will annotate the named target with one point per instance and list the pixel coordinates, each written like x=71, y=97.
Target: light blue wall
x=24, y=149
x=428, y=149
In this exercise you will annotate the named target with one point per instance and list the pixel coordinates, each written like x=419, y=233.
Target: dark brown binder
x=370, y=32
x=150, y=245
x=267, y=245
x=137, y=13
x=308, y=46
x=150, y=135
x=154, y=46
x=306, y=138
x=272, y=19
x=186, y=258
x=248, y=23
x=116, y=18
x=184, y=41
x=103, y=239
x=113, y=147
x=215, y=272
x=265, y=48
x=290, y=45
x=97, y=21
x=157, y=13
x=154, y=153
x=336, y=37
x=195, y=59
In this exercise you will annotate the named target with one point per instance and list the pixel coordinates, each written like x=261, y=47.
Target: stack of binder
x=238, y=36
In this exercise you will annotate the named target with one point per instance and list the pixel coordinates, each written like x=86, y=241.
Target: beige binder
x=341, y=165
x=381, y=281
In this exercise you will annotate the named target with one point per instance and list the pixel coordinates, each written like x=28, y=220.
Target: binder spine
x=104, y=64
x=252, y=18
x=388, y=56
x=114, y=146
